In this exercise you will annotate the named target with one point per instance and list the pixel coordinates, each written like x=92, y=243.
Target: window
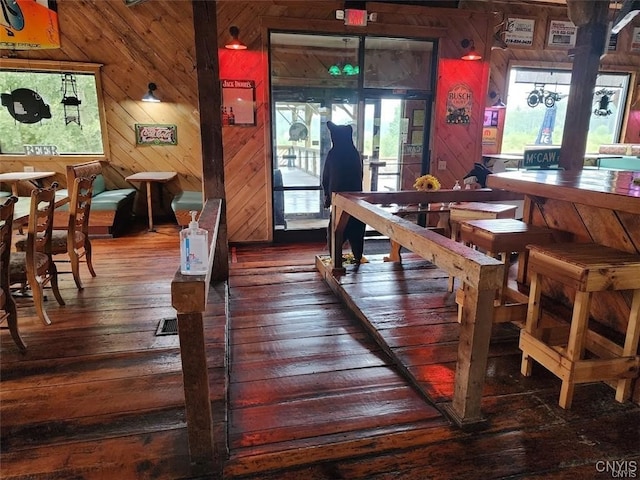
x=537, y=108
x=51, y=108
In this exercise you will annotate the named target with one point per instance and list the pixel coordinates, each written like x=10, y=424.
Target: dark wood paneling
x=154, y=42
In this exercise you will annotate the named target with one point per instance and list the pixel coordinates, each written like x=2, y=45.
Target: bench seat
x=183, y=203
x=111, y=210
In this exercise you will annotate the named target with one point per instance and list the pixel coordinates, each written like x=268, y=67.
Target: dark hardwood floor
x=312, y=396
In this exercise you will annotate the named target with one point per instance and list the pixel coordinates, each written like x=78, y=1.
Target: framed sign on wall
x=156, y=134
x=238, y=102
x=519, y=32
x=561, y=34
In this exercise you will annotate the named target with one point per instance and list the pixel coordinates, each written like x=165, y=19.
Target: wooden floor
x=311, y=394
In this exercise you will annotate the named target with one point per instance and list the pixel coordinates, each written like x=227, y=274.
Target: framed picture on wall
x=238, y=102
x=561, y=34
x=519, y=32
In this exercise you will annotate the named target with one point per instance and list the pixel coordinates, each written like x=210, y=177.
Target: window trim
x=62, y=67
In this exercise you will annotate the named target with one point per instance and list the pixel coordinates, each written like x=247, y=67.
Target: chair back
x=80, y=207
x=40, y=228
x=78, y=170
x=6, y=229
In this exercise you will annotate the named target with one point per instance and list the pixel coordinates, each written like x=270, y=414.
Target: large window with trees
x=536, y=108
x=51, y=108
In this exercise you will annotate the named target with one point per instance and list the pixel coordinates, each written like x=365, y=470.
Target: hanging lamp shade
x=471, y=54
x=334, y=70
x=150, y=96
x=235, y=43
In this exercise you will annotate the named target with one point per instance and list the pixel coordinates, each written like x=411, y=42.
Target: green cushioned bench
x=111, y=210
x=183, y=203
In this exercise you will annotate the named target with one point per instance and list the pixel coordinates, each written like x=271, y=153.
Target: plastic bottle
x=194, y=245
x=455, y=187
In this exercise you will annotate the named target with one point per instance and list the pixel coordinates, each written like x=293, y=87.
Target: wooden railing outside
x=189, y=295
x=481, y=275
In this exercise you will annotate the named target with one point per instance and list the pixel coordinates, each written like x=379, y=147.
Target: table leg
x=150, y=207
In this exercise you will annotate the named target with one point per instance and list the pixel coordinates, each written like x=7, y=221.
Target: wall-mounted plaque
x=459, y=104
x=635, y=40
x=519, y=32
x=561, y=34
x=238, y=102
x=156, y=134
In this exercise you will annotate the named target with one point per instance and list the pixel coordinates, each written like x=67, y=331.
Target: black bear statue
x=342, y=172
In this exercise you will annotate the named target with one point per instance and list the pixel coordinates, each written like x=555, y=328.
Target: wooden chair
x=75, y=241
x=35, y=266
x=585, y=269
x=461, y=212
x=8, y=309
x=499, y=238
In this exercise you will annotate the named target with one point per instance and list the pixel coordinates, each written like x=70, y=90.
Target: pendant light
x=235, y=43
x=471, y=54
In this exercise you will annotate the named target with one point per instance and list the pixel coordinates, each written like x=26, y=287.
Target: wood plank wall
x=149, y=42
x=154, y=42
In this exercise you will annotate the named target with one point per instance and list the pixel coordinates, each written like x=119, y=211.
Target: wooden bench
x=111, y=209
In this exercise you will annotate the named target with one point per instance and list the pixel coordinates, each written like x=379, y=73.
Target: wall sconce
x=235, y=43
x=497, y=103
x=471, y=53
x=150, y=96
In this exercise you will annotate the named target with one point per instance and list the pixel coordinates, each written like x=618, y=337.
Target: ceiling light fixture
x=344, y=68
x=235, y=43
x=471, y=53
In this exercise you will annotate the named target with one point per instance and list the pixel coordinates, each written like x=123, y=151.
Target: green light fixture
x=344, y=68
x=334, y=70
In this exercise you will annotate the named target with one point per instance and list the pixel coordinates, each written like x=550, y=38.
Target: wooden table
x=22, y=209
x=150, y=178
x=14, y=177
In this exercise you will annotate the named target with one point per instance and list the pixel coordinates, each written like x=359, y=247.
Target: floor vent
x=167, y=326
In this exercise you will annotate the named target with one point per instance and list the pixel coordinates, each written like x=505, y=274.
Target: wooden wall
x=154, y=42
x=149, y=42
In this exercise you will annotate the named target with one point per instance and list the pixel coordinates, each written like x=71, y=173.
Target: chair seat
x=18, y=265
x=59, y=241
x=504, y=234
x=587, y=267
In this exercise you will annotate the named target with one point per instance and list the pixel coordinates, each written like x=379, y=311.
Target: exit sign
x=355, y=18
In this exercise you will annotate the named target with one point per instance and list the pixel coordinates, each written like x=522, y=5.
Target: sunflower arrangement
x=427, y=183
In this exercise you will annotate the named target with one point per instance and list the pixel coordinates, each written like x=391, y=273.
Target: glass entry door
x=316, y=79
x=301, y=143
x=393, y=150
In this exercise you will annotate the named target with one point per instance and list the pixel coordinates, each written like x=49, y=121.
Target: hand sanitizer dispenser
x=455, y=187
x=194, y=247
